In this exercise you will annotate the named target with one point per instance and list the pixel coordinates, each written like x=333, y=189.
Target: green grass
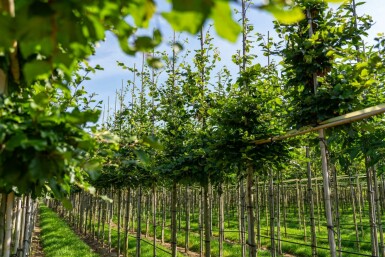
x=293, y=243
x=58, y=239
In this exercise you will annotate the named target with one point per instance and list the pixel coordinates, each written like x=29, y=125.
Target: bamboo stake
x=221, y=220
x=8, y=225
x=372, y=208
x=154, y=220
x=187, y=232
x=273, y=249
x=173, y=220
x=378, y=211
x=250, y=211
x=139, y=218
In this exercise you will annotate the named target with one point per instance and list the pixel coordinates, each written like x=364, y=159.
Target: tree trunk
x=17, y=231
x=119, y=219
x=154, y=220
x=139, y=225
x=127, y=221
x=27, y=222
x=328, y=206
x=187, y=232
x=372, y=208
x=173, y=220
x=250, y=211
x=164, y=196
x=110, y=216
x=206, y=207
x=311, y=203
x=337, y=211
x=257, y=212
x=8, y=225
x=221, y=225
x=379, y=212
x=352, y=194
x=242, y=217
x=3, y=208
x=272, y=216
x=279, y=246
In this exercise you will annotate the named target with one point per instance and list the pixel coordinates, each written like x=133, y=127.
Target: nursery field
x=283, y=227
x=271, y=143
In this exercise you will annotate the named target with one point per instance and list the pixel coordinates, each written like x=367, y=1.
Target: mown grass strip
x=58, y=239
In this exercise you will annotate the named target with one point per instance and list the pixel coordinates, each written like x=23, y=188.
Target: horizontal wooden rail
x=333, y=122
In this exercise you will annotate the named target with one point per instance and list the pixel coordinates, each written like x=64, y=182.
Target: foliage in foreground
x=58, y=239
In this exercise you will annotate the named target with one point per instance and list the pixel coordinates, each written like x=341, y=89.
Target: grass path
x=58, y=240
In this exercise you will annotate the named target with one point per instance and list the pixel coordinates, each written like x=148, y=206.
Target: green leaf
x=142, y=11
x=154, y=142
x=285, y=16
x=154, y=62
x=142, y=156
x=15, y=141
x=224, y=25
x=185, y=21
x=37, y=70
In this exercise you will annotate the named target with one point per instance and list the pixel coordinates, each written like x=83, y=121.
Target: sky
x=105, y=83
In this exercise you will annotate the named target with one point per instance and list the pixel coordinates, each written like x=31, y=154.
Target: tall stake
x=139, y=223
x=154, y=220
x=8, y=225
x=325, y=173
x=311, y=201
x=221, y=220
x=173, y=220
x=272, y=216
x=250, y=211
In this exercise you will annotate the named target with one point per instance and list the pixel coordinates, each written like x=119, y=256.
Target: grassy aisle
x=58, y=239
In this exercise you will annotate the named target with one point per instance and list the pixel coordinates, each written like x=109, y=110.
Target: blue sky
x=105, y=83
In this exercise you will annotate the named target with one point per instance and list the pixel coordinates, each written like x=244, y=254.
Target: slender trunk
x=337, y=211
x=173, y=220
x=359, y=195
x=317, y=201
x=352, y=194
x=285, y=210
x=372, y=208
x=221, y=225
x=206, y=207
x=138, y=228
x=163, y=215
x=99, y=203
x=302, y=205
x=147, y=211
x=187, y=232
x=378, y=211
x=119, y=219
x=17, y=232
x=272, y=216
x=26, y=239
x=8, y=225
x=257, y=212
x=279, y=200
x=110, y=216
x=311, y=203
x=154, y=220
x=242, y=217
x=2, y=220
x=200, y=221
x=127, y=221
x=298, y=204
x=250, y=211
x=328, y=206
